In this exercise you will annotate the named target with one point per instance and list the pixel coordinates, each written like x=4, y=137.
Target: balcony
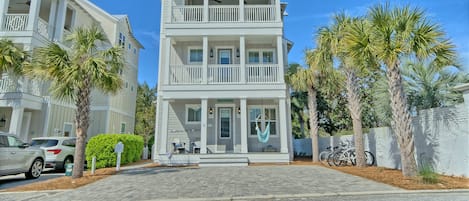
x=21, y=84
x=225, y=74
x=224, y=13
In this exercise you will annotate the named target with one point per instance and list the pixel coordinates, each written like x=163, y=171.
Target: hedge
x=102, y=146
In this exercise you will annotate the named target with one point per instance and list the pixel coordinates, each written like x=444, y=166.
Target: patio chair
x=178, y=146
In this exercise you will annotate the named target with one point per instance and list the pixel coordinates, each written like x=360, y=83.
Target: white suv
x=59, y=150
x=17, y=157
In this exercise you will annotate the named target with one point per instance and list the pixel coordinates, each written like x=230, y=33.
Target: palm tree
x=75, y=71
x=12, y=58
x=405, y=33
x=332, y=41
x=306, y=80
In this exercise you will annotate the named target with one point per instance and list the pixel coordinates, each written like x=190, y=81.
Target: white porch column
x=203, y=128
x=164, y=127
x=280, y=58
x=278, y=13
x=3, y=11
x=167, y=59
x=52, y=18
x=244, y=126
x=158, y=131
x=205, y=60
x=241, y=10
x=33, y=15
x=205, y=11
x=283, y=125
x=242, y=58
x=60, y=20
x=16, y=120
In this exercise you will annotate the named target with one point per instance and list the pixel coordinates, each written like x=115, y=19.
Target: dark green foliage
x=102, y=146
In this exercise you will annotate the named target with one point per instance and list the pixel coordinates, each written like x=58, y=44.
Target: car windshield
x=44, y=143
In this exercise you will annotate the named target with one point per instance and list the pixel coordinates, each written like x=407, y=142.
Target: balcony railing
x=23, y=85
x=43, y=28
x=223, y=13
x=15, y=22
x=224, y=74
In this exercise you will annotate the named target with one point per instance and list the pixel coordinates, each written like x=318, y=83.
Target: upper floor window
x=260, y=56
x=196, y=55
x=121, y=40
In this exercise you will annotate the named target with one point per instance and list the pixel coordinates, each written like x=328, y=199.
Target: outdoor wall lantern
x=3, y=121
x=210, y=111
x=211, y=52
x=237, y=52
x=239, y=110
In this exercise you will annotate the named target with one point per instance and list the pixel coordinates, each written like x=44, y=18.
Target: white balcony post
x=241, y=10
x=158, y=131
x=60, y=20
x=283, y=125
x=244, y=125
x=205, y=60
x=206, y=10
x=33, y=15
x=167, y=58
x=3, y=11
x=164, y=128
x=278, y=11
x=242, y=58
x=280, y=58
x=52, y=18
x=203, y=130
x=16, y=120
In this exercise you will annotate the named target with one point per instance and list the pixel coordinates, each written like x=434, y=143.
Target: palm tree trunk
x=356, y=113
x=313, y=122
x=402, y=121
x=82, y=123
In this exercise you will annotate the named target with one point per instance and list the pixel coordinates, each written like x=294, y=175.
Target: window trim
x=72, y=134
x=261, y=55
x=125, y=127
x=263, y=107
x=189, y=54
x=194, y=107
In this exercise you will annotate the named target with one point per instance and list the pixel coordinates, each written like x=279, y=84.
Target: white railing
x=43, y=28
x=186, y=74
x=223, y=13
x=262, y=73
x=187, y=14
x=15, y=22
x=223, y=73
x=22, y=84
x=259, y=13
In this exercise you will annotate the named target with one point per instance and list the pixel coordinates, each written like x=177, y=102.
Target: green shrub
x=102, y=146
x=428, y=175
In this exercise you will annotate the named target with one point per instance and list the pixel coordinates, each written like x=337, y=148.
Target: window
x=44, y=143
x=260, y=56
x=193, y=114
x=135, y=51
x=196, y=55
x=14, y=142
x=121, y=40
x=122, y=127
x=130, y=46
x=69, y=143
x=264, y=116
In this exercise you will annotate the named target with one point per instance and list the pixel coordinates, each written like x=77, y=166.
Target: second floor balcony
x=225, y=11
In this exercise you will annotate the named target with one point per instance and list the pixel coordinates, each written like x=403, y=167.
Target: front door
x=224, y=56
x=225, y=129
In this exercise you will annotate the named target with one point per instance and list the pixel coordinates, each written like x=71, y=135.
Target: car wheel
x=67, y=160
x=35, y=170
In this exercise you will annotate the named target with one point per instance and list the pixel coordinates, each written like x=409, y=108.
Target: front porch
x=222, y=128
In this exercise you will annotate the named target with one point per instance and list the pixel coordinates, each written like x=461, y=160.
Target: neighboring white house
x=26, y=106
x=221, y=73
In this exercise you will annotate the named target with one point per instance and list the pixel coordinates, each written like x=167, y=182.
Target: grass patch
x=428, y=175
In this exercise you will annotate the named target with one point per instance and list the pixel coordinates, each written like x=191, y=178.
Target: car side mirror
x=24, y=145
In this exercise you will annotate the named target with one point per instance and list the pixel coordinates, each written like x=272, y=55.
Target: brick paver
x=218, y=182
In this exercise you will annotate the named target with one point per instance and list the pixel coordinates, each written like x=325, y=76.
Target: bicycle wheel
x=370, y=158
x=323, y=156
x=351, y=158
x=338, y=158
x=330, y=159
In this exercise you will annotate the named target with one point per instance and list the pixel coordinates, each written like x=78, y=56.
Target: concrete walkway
x=214, y=183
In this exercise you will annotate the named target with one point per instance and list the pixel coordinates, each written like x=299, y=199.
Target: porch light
x=211, y=52
x=3, y=121
x=237, y=52
x=210, y=111
x=239, y=110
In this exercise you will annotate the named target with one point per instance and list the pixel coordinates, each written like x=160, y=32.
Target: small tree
x=145, y=112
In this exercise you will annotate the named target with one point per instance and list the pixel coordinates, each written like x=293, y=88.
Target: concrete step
x=223, y=161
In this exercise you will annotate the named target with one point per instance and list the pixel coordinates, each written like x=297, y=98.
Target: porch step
x=223, y=161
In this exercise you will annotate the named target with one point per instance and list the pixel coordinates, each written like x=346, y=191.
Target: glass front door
x=224, y=56
x=225, y=129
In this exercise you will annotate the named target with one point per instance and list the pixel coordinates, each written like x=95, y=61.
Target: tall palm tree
x=75, y=71
x=332, y=41
x=306, y=80
x=11, y=57
x=397, y=33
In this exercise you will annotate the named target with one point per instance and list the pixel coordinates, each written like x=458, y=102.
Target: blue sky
x=304, y=18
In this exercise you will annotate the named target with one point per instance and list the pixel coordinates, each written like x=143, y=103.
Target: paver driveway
x=217, y=183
